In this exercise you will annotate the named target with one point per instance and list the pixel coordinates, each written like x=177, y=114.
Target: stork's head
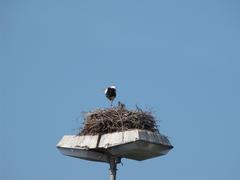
x=113, y=87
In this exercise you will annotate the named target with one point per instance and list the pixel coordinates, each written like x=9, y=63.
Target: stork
x=110, y=93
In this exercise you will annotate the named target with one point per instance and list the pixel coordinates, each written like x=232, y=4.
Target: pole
x=113, y=168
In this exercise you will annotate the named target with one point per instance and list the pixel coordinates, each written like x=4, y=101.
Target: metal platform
x=133, y=144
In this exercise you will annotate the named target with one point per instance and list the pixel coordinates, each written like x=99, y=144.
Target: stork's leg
x=111, y=103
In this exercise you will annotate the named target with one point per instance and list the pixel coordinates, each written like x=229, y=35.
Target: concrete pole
x=113, y=168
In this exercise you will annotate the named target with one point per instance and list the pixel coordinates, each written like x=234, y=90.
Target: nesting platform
x=132, y=144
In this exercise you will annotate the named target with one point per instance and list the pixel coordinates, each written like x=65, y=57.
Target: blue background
x=178, y=58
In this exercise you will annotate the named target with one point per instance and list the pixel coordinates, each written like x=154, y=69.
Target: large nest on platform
x=117, y=119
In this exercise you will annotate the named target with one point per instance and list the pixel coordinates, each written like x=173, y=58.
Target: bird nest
x=117, y=119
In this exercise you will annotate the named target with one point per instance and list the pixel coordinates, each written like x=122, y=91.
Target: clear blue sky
x=179, y=58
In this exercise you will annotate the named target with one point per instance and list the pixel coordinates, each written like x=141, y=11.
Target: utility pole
x=113, y=167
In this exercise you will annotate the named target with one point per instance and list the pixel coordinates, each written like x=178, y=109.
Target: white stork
x=110, y=93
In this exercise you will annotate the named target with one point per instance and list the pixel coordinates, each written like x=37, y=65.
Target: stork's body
x=111, y=93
